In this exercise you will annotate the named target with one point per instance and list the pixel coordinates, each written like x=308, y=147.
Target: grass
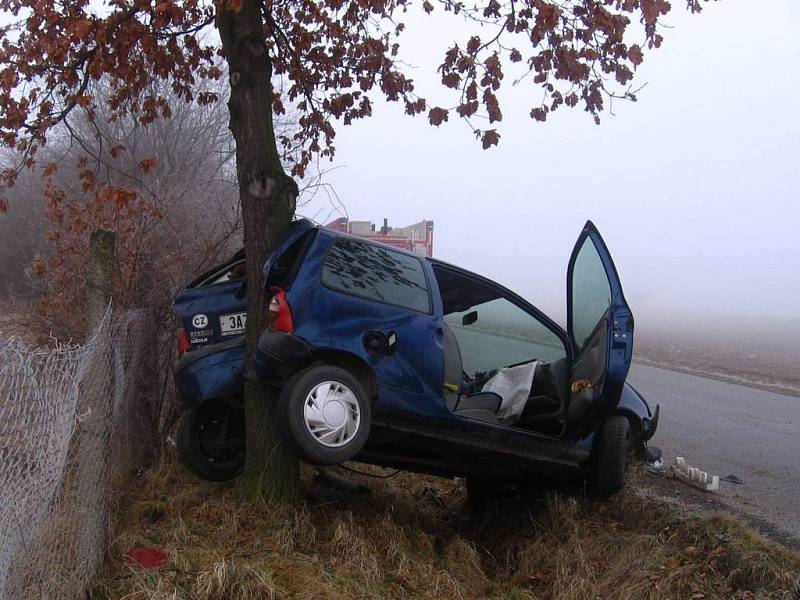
x=412, y=537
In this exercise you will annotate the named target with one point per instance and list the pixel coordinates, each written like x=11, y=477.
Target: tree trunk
x=268, y=199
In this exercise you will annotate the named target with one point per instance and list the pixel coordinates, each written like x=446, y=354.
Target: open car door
x=600, y=327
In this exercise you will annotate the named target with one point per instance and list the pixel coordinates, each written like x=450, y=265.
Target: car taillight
x=183, y=342
x=280, y=313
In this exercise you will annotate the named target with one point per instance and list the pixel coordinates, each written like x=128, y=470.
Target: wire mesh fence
x=71, y=430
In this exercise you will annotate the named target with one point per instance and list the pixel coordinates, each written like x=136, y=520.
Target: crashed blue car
x=395, y=359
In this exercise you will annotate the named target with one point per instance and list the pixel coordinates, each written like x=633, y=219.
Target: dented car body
x=403, y=361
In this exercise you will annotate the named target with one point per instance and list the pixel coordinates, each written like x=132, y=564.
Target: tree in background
x=335, y=56
x=194, y=175
x=173, y=217
x=191, y=186
x=21, y=235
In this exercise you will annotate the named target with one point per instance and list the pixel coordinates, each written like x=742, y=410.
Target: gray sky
x=694, y=187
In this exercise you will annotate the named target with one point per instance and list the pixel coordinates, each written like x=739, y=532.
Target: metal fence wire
x=70, y=420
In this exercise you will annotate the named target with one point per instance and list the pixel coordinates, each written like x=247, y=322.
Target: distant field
x=760, y=353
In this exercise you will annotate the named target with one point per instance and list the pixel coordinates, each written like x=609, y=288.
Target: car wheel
x=210, y=441
x=612, y=455
x=325, y=415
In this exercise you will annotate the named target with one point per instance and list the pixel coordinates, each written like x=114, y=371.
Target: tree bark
x=268, y=198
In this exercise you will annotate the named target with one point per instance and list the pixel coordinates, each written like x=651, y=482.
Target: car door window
x=376, y=273
x=591, y=293
x=503, y=334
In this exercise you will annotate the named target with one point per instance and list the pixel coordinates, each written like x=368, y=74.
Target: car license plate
x=233, y=323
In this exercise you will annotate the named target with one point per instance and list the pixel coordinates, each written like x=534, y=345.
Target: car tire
x=210, y=441
x=613, y=446
x=324, y=430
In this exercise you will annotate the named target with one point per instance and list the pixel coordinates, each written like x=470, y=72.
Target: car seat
x=545, y=411
x=482, y=406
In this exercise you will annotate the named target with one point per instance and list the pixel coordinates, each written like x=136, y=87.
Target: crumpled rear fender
x=215, y=371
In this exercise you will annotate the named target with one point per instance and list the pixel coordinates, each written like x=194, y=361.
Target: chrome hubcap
x=331, y=414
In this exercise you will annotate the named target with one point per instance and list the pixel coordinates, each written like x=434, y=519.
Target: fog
x=694, y=187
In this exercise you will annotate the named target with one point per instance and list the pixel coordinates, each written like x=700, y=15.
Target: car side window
x=380, y=274
x=591, y=293
x=498, y=333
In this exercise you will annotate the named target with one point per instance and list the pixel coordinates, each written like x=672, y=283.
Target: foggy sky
x=694, y=187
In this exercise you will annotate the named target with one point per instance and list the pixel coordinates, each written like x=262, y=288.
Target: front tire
x=325, y=415
x=612, y=455
x=210, y=440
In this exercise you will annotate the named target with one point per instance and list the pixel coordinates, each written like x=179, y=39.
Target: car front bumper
x=650, y=424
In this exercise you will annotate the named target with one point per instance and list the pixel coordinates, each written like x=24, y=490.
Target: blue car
x=399, y=360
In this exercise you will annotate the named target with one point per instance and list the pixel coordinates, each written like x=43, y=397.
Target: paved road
x=726, y=429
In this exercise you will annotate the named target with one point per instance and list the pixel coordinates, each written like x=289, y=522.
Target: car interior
x=550, y=404
x=545, y=408
x=230, y=270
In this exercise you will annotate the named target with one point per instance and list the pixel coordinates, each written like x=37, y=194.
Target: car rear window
x=370, y=271
x=232, y=273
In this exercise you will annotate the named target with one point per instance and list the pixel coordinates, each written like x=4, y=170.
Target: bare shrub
x=21, y=236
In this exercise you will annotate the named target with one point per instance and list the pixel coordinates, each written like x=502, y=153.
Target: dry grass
x=412, y=538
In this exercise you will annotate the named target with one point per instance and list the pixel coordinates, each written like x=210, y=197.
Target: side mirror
x=469, y=318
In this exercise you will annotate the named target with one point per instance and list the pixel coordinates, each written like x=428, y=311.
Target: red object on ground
x=147, y=558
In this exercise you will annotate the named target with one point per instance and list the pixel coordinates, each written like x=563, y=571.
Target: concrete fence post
x=95, y=404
